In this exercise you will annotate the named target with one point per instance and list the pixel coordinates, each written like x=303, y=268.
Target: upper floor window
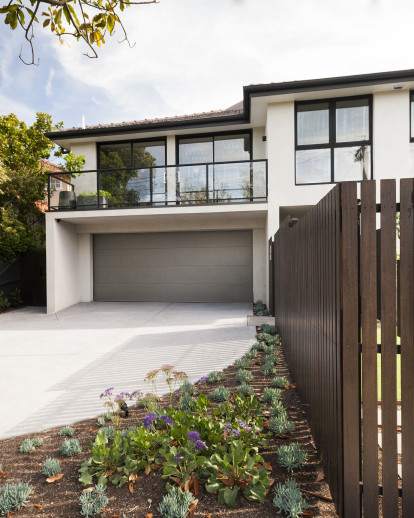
x=333, y=140
x=134, y=154
x=214, y=148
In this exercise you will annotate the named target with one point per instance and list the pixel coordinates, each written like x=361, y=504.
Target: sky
x=196, y=56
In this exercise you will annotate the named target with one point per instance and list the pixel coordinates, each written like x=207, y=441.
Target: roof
x=240, y=112
x=46, y=165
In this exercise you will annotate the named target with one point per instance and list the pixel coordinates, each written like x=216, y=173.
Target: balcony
x=175, y=185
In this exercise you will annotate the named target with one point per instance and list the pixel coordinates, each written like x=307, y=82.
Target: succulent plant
x=278, y=410
x=51, y=467
x=268, y=369
x=251, y=354
x=101, y=421
x=215, y=376
x=243, y=362
x=220, y=394
x=175, y=504
x=186, y=402
x=27, y=446
x=93, y=502
x=291, y=456
x=264, y=337
x=271, y=395
x=288, y=499
x=279, y=382
x=243, y=376
x=109, y=431
x=188, y=388
x=70, y=447
x=67, y=430
x=37, y=441
x=270, y=330
x=13, y=497
x=280, y=425
x=245, y=389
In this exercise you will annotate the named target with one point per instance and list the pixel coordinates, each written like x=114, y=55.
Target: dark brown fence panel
x=307, y=292
x=350, y=349
x=271, y=281
x=388, y=349
x=33, y=278
x=407, y=341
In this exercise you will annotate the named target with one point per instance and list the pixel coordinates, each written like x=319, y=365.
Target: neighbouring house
x=187, y=204
x=57, y=183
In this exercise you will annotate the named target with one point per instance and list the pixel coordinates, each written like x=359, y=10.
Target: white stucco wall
x=259, y=147
x=259, y=264
x=87, y=182
x=62, y=264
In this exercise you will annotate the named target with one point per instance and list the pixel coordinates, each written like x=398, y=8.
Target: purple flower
x=227, y=427
x=199, y=445
x=203, y=379
x=119, y=397
x=107, y=392
x=244, y=425
x=149, y=419
x=193, y=436
x=167, y=420
x=179, y=457
x=235, y=433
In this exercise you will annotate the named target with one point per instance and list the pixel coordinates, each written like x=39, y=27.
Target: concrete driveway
x=54, y=367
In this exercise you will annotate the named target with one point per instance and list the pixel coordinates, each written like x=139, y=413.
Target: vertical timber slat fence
x=326, y=292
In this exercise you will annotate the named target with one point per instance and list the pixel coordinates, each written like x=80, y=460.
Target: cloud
x=48, y=88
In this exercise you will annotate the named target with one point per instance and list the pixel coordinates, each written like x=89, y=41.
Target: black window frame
x=190, y=136
x=411, y=101
x=131, y=142
x=332, y=144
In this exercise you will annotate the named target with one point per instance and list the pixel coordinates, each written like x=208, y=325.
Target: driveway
x=54, y=367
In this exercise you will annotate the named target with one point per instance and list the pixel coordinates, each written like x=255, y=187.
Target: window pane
x=148, y=154
x=352, y=163
x=313, y=124
x=193, y=184
x=313, y=166
x=112, y=156
x=195, y=151
x=352, y=120
x=232, y=148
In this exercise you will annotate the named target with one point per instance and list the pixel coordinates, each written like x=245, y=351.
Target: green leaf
x=46, y=22
x=230, y=495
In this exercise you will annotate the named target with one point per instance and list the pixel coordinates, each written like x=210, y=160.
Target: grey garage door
x=174, y=267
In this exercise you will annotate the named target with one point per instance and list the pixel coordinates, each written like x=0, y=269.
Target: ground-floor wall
x=70, y=248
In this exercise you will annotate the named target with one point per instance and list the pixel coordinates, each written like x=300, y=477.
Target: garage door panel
x=174, y=267
x=162, y=240
x=174, y=292
x=180, y=275
x=175, y=256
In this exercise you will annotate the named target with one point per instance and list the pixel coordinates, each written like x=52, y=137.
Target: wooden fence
x=325, y=297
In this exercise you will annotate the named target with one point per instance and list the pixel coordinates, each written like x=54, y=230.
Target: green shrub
x=291, y=456
x=257, y=346
x=51, y=467
x=280, y=425
x=4, y=302
x=93, y=502
x=280, y=382
x=264, y=337
x=186, y=402
x=15, y=298
x=288, y=499
x=109, y=431
x=27, y=446
x=268, y=369
x=67, y=430
x=175, y=504
x=13, y=497
x=251, y=354
x=37, y=441
x=220, y=394
x=243, y=376
x=271, y=395
x=215, y=376
x=278, y=410
x=243, y=362
x=70, y=447
x=270, y=330
x=188, y=388
x=245, y=389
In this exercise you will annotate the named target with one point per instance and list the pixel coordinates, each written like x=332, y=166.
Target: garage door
x=174, y=267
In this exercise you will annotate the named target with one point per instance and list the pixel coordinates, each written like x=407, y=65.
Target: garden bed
x=142, y=497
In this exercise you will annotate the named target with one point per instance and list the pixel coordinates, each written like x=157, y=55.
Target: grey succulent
x=93, y=502
x=288, y=499
x=13, y=497
x=175, y=504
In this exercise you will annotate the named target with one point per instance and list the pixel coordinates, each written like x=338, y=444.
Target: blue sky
x=196, y=55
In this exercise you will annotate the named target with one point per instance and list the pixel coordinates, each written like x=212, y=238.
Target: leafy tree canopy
x=87, y=20
x=22, y=183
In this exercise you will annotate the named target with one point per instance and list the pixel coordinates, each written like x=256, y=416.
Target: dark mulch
x=60, y=500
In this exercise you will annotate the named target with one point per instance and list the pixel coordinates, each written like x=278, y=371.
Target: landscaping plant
x=243, y=362
x=93, y=502
x=51, y=467
x=280, y=425
x=67, y=430
x=268, y=369
x=13, y=497
x=288, y=499
x=175, y=504
x=271, y=395
x=27, y=446
x=220, y=394
x=245, y=389
x=280, y=382
x=215, y=376
x=70, y=447
x=291, y=456
x=243, y=376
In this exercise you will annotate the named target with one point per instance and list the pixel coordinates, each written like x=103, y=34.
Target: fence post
x=350, y=350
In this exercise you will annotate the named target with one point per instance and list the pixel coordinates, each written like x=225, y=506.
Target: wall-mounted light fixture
x=397, y=87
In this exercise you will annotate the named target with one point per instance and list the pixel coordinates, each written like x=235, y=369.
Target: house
x=187, y=204
x=57, y=182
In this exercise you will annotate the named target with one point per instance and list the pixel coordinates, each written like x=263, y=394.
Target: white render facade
x=272, y=117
